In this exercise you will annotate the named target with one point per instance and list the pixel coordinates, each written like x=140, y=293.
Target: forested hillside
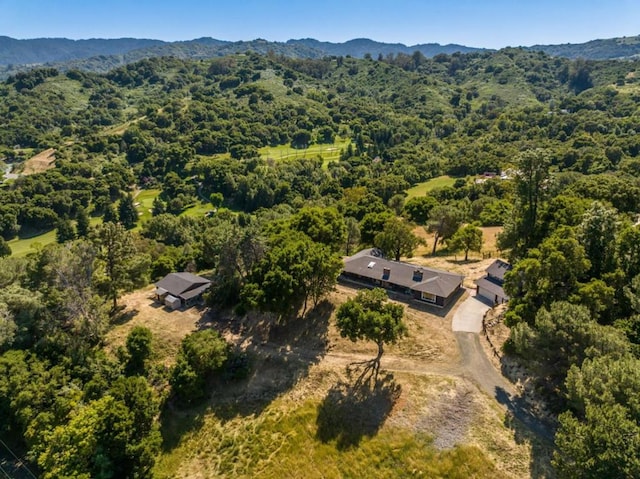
x=102, y=55
x=263, y=170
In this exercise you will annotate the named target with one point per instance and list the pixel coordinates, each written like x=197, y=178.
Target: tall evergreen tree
x=65, y=230
x=127, y=212
x=82, y=223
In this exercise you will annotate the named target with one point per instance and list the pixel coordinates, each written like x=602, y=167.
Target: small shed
x=172, y=302
x=181, y=289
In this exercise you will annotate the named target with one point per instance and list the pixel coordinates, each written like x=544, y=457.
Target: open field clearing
x=422, y=189
x=328, y=152
x=43, y=161
x=303, y=413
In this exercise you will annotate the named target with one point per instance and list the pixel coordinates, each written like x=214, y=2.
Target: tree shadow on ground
x=280, y=356
x=529, y=429
x=122, y=315
x=176, y=422
x=355, y=409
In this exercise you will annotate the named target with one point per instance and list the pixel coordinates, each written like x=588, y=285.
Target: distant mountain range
x=105, y=54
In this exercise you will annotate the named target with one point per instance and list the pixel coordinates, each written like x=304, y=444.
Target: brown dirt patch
x=472, y=269
x=41, y=162
x=168, y=327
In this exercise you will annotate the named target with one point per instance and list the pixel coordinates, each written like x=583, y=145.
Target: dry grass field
x=43, y=161
x=303, y=412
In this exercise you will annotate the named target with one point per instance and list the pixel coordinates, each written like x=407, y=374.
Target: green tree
x=127, y=212
x=418, y=208
x=82, y=223
x=322, y=225
x=216, y=199
x=201, y=354
x=301, y=139
x=468, y=238
x=115, y=251
x=549, y=273
x=353, y=234
x=444, y=221
x=604, y=381
x=396, y=203
x=293, y=270
x=597, y=233
x=65, y=231
x=139, y=349
x=604, y=445
x=372, y=224
x=564, y=335
x=5, y=249
x=628, y=251
x=8, y=327
x=110, y=214
x=158, y=207
x=396, y=239
x=372, y=317
x=532, y=185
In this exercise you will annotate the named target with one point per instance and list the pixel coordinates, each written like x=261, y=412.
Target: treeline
x=574, y=311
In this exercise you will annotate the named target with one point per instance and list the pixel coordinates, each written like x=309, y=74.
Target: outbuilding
x=178, y=290
x=491, y=285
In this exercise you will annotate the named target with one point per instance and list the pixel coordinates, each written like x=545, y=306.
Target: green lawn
x=328, y=152
x=145, y=198
x=422, y=189
x=24, y=246
x=200, y=208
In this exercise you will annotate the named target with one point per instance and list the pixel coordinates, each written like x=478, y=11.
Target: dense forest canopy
x=564, y=135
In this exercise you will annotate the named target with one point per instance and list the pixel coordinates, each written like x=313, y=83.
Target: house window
x=431, y=298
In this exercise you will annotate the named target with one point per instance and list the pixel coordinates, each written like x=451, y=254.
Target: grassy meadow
x=422, y=189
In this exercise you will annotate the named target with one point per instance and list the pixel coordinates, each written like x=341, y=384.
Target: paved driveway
x=468, y=316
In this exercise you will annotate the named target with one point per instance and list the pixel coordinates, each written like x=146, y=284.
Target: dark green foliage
x=468, y=238
x=372, y=317
x=396, y=239
x=293, y=270
x=417, y=209
x=322, y=225
x=5, y=249
x=127, y=212
x=139, y=348
x=201, y=355
x=82, y=223
x=115, y=250
x=65, y=230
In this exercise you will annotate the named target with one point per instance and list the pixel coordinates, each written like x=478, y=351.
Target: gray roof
x=492, y=287
x=183, y=285
x=433, y=281
x=498, y=269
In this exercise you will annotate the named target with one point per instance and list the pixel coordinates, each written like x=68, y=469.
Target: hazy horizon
x=495, y=24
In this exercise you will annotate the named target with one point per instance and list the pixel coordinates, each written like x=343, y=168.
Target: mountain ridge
x=101, y=55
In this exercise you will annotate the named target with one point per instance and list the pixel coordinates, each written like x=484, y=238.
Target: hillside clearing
x=423, y=188
x=300, y=409
x=43, y=161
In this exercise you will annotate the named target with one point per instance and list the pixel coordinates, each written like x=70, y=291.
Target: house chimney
x=386, y=272
x=417, y=275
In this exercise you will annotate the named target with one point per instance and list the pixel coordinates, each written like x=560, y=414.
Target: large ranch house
x=430, y=285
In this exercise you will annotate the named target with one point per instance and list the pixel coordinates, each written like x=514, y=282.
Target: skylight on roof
x=371, y=264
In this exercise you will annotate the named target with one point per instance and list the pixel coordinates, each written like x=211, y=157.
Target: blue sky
x=492, y=24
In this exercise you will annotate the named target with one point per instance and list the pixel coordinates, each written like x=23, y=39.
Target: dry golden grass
x=299, y=413
x=41, y=162
x=168, y=327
